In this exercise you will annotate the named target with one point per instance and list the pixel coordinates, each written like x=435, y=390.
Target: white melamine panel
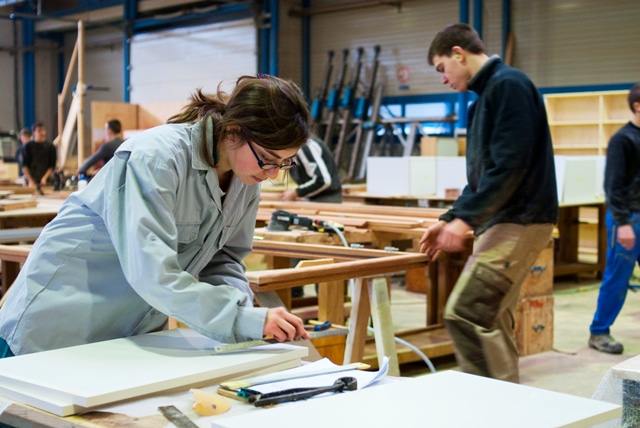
x=69, y=380
x=170, y=65
x=445, y=399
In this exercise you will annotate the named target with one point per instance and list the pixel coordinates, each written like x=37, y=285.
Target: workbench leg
x=331, y=302
x=358, y=322
x=382, y=323
x=10, y=271
x=568, y=232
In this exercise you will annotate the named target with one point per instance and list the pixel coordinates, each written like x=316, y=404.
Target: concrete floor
x=571, y=367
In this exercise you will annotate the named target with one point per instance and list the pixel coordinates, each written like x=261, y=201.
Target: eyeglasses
x=287, y=164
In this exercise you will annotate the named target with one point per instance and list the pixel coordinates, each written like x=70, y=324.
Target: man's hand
x=453, y=236
x=289, y=195
x=283, y=325
x=626, y=237
x=429, y=241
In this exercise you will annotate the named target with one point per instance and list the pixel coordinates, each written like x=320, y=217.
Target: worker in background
x=40, y=157
x=317, y=179
x=162, y=231
x=510, y=201
x=113, y=139
x=316, y=175
x=622, y=190
x=25, y=137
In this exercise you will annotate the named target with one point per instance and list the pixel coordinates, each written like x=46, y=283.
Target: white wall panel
x=170, y=65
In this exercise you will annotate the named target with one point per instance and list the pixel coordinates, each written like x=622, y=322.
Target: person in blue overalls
x=622, y=190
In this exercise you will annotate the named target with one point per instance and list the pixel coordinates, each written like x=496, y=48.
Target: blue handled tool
x=320, y=326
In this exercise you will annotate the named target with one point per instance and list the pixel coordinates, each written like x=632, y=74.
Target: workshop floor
x=571, y=367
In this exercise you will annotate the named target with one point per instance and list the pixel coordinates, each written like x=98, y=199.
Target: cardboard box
x=438, y=146
x=8, y=171
x=534, y=325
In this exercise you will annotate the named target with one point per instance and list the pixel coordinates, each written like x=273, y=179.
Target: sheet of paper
x=364, y=377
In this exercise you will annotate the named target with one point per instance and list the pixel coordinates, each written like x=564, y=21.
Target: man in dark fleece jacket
x=622, y=189
x=510, y=201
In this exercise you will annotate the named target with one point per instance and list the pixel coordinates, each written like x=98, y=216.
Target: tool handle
x=256, y=397
x=283, y=397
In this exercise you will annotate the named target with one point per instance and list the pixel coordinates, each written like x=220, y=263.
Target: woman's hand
x=283, y=325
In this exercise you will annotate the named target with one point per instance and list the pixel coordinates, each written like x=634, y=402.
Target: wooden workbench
x=370, y=298
x=568, y=228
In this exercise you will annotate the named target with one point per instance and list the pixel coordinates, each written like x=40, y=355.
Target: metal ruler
x=176, y=417
x=235, y=347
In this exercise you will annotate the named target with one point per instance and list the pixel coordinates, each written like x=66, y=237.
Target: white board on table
x=69, y=380
x=444, y=399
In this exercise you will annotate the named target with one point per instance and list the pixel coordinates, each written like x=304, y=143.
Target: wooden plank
x=382, y=322
x=286, y=278
x=8, y=204
x=359, y=320
x=63, y=141
x=290, y=249
x=416, y=212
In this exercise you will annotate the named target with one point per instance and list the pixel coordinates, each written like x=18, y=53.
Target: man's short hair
x=115, y=126
x=634, y=96
x=37, y=125
x=452, y=35
x=25, y=131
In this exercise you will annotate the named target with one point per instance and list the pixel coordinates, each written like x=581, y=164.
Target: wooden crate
x=539, y=281
x=534, y=325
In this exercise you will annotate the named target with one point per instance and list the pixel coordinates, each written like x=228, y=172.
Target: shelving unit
x=582, y=123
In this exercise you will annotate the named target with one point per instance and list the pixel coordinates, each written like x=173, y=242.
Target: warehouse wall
x=7, y=58
x=557, y=42
x=45, y=79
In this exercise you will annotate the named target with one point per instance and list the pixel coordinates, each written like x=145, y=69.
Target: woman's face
x=246, y=164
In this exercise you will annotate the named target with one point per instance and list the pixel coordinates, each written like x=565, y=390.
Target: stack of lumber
x=403, y=220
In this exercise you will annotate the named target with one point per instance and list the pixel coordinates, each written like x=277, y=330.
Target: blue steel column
x=263, y=39
x=28, y=72
x=477, y=16
x=130, y=9
x=506, y=25
x=274, y=29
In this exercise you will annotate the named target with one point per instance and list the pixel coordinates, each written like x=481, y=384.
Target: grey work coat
x=123, y=254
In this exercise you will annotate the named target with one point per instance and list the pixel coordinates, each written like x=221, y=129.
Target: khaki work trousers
x=479, y=314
